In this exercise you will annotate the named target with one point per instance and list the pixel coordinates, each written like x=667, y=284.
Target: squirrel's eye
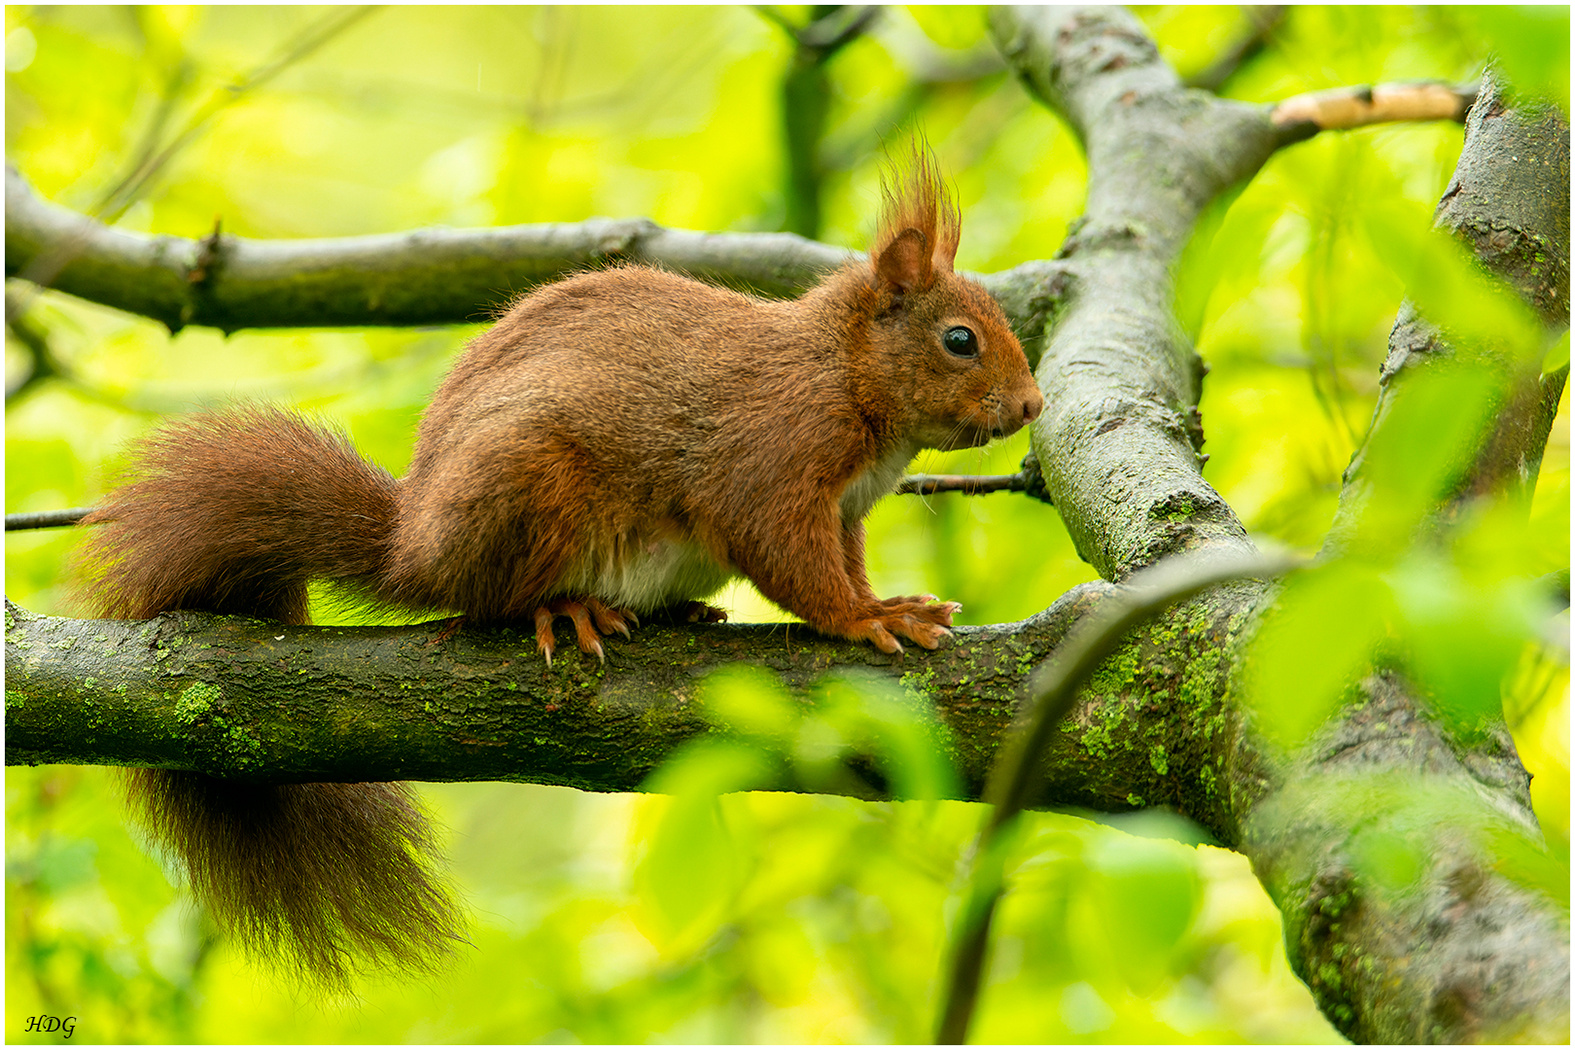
x=961, y=342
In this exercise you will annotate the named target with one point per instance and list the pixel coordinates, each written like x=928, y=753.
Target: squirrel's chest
x=877, y=480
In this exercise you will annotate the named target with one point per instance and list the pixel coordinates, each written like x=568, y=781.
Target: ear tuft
x=916, y=208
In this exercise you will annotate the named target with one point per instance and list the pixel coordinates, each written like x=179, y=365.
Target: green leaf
x=1421, y=447
x=900, y=728
x=1149, y=894
x=1319, y=637
x=1476, y=310
x=693, y=868
x=1463, y=638
x=752, y=702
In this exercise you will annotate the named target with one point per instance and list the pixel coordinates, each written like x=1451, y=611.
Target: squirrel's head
x=948, y=355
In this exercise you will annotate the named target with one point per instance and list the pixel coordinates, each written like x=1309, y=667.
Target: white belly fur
x=876, y=481
x=664, y=574
x=668, y=572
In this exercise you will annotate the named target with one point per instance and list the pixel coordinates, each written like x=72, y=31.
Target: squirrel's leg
x=699, y=612
x=853, y=562
x=815, y=575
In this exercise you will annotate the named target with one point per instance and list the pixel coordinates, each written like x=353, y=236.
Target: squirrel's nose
x=1033, y=404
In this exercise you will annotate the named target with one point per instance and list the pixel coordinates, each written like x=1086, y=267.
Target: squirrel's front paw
x=915, y=619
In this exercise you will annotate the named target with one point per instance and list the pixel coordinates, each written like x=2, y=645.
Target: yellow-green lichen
x=1156, y=758
x=197, y=700
x=1117, y=673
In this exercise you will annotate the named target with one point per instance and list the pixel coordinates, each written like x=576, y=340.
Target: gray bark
x=1120, y=439
x=1467, y=947
x=434, y=276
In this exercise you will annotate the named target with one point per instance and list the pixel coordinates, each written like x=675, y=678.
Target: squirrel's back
x=589, y=442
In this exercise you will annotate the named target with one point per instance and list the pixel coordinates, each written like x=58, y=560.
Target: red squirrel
x=620, y=442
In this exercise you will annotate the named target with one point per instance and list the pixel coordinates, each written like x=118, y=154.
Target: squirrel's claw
x=544, y=638
x=591, y=617
x=609, y=619
x=920, y=619
x=700, y=612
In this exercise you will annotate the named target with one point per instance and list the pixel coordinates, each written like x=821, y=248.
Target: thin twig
x=913, y=484
x=43, y=364
x=1053, y=688
x=42, y=270
x=968, y=484
x=314, y=37
x=46, y=519
x=1354, y=107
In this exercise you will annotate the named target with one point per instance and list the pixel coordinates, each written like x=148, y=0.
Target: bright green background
x=763, y=917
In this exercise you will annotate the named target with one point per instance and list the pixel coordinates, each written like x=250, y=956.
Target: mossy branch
x=238, y=697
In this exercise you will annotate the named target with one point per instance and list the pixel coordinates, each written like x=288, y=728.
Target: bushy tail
x=234, y=512
x=317, y=879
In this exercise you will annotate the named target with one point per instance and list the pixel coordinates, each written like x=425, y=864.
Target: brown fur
x=618, y=443
x=300, y=873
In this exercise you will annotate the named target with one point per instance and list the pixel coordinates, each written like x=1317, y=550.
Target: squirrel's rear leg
x=591, y=616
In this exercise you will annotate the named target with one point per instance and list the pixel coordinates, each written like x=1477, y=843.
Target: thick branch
x=433, y=276
x=1118, y=448
x=238, y=697
x=1119, y=441
x=1509, y=199
x=1462, y=942
x=1453, y=951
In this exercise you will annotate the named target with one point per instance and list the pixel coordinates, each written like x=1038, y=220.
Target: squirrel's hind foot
x=591, y=617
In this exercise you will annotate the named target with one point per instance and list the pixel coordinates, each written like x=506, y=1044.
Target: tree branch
x=1355, y=107
x=1399, y=962
x=1119, y=441
x=420, y=277
x=1263, y=20
x=434, y=276
x=1509, y=200
x=1468, y=945
x=969, y=484
x=238, y=697
x=1013, y=776
x=46, y=519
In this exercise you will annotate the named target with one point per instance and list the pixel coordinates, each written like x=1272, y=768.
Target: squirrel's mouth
x=973, y=436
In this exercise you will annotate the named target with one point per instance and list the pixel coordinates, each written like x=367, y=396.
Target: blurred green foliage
x=767, y=915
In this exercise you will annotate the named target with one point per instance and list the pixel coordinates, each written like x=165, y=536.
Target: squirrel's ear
x=905, y=262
